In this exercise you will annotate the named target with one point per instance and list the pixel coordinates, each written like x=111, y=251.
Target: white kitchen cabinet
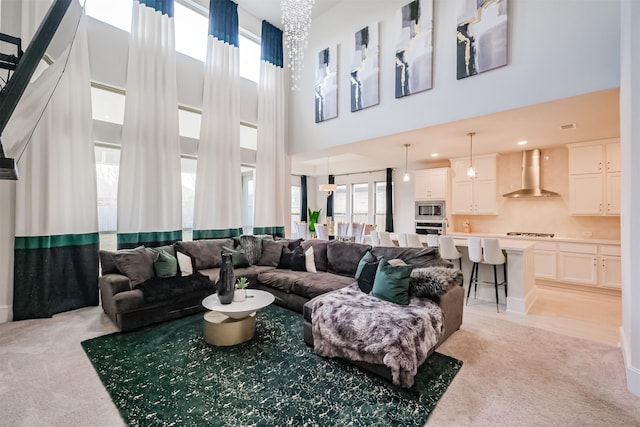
x=594, y=177
x=474, y=196
x=545, y=260
x=588, y=264
x=431, y=184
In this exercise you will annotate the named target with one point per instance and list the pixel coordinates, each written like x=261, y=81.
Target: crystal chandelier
x=296, y=18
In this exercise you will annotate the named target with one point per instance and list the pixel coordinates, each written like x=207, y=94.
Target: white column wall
x=630, y=155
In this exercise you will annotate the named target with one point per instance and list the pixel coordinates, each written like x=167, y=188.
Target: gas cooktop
x=527, y=234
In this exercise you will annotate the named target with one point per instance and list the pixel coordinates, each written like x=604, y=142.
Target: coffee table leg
x=224, y=331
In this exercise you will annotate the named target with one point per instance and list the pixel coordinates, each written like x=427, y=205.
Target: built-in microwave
x=430, y=211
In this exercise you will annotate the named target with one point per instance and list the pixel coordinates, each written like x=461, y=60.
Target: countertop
x=461, y=235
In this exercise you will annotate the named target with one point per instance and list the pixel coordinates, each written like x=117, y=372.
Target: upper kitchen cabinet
x=431, y=184
x=474, y=196
x=594, y=177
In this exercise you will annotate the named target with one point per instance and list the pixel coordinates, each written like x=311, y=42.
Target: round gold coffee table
x=235, y=323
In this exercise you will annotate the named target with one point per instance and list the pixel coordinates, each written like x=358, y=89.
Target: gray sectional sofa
x=269, y=265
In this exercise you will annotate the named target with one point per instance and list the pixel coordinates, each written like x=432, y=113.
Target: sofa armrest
x=452, y=305
x=114, y=283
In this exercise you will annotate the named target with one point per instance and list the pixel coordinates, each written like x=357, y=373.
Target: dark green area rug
x=167, y=375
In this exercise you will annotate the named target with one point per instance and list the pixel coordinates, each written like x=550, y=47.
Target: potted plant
x=313, y=219
x=240, y=293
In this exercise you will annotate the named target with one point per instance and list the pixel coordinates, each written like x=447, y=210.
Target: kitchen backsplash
x=541, y=215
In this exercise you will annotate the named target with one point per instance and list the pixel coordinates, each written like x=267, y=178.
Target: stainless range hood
x=531, y=177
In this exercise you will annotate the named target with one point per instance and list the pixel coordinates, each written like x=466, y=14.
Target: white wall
x=630, y=154
x=556, y=49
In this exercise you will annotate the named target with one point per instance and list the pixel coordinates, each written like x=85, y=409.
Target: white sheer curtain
x=218, y=198
x=56, y=243
x=149, y=185
x=270, y=186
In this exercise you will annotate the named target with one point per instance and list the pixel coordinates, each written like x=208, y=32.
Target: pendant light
x=328, y=188
x=406, y=177
x=471, y=171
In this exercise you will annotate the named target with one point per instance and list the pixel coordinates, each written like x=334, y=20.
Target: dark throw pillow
x=107, y=263
x=298, y=259
x=206, y=252
x=271, y=252
x=165, y=265
x=392, y=282
x=136, y=264
x=366, y=272
x=238, y=257
x=286, y=258
x=252, y=247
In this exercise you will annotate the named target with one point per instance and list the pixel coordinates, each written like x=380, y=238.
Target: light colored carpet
x=513, y=375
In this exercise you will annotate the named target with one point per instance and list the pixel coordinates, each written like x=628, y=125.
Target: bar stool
x=449, y=251
x=402, y=240
x=413, y=240
x=487, y=251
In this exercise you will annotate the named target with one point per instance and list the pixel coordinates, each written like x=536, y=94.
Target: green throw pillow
x=392, y=282
x=238, y=257
x=165, y=264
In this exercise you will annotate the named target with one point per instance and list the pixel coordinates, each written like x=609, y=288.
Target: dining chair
x=402, y=240
x=413, y=240
x=375, y=241
x=368, y=228
x=356, y=230
x=322, y=231
x=342, y=228
x=385, y=238
x=448, y=250
x=432, y=240
x=302, y=230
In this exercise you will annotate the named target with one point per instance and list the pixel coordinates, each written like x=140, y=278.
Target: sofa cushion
x=251, y=273
x=310, y=285
x=279, y=279
x=343, y=257
x=417, y=257
x=366, y=272
x=205, y=253
x=136, y=264
x=271, y=251
x=319, y=252
x=164, y=264
x=252, y=246
x=392, y=282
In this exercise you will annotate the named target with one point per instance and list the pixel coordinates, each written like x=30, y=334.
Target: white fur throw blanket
x=352, y=325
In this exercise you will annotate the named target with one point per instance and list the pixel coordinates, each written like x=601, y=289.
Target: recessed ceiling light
x=434, y=154
x=568, y=126
x=523, y=142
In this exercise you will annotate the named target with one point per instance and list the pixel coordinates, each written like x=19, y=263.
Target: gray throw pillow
x=107, y=263
x=207, y=253
x=136, y=264
x=433, y=282
x=271, y=251
x=252, y=247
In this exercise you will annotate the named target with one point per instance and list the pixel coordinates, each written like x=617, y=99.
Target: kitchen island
x=520, y=273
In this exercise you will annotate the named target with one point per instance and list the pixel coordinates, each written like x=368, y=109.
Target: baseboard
x=633, y=373
x=6, y=313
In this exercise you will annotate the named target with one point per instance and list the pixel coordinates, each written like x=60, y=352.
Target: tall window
x=114, y=12
x=360, y=202
x=188, y=177
x=107, y=105
x=381, y=206
x=248, y=136
x=296, y=206
x=249, y=56
x=192, y=30
x=189, y=123
x=340, y=204
x=248, y=197
x=107, y=166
